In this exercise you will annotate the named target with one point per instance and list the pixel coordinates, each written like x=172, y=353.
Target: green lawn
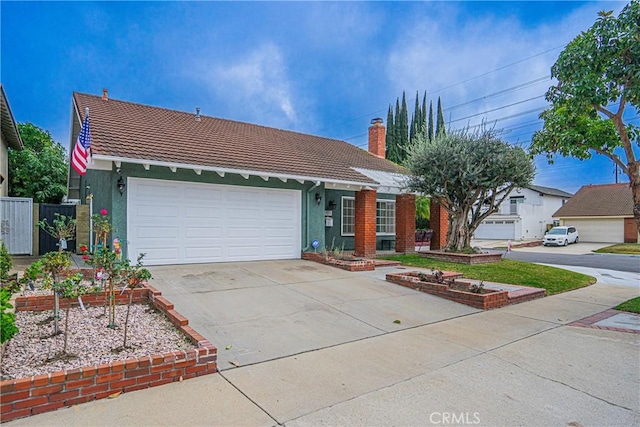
x=507, y=271
x=632, y=306
x=622, y=248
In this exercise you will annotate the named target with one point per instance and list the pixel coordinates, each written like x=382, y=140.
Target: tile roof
x=549, y=191
x=134, y=131
x=599, y=200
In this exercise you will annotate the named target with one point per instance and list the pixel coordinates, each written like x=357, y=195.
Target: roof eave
x=9, y=126
x=242, y=172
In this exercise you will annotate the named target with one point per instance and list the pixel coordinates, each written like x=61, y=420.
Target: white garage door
x=175, y=222
x=599, y=230
x=496, y=230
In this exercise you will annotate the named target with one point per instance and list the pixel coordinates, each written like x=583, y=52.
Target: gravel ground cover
x=35, y=350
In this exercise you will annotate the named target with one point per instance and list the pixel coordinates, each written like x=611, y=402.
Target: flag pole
x=90, y=196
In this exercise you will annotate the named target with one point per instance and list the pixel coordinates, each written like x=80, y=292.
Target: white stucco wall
x=534, y=213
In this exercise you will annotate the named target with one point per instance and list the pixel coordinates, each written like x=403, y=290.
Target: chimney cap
x=377, y=120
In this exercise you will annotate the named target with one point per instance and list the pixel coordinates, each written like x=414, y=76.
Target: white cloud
x=254, y=87
x=443, y=51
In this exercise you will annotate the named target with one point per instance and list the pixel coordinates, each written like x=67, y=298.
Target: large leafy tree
x=598, y=77
x=39, y=171
x=470, y=175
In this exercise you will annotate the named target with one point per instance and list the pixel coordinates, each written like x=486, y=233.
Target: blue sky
x=315, y=67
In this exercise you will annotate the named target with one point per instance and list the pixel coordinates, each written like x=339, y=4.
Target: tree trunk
x=458, y=236
x=632, y=165
x=112, y=304
x=66, y=328
x=126, y=319
x=56, y=307
x=635, y=191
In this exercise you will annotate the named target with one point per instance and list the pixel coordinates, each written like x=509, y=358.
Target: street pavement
x=578, y=254
x=334, y=356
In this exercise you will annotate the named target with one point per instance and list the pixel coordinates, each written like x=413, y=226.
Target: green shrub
x=7, y=318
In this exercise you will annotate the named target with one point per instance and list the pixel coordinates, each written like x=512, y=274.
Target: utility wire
x=378, y=112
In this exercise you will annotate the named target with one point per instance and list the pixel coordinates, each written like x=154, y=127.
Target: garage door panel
x=495, y=230
x=203, y=232
x=605, y=230
x=203, y=212
x=156, y=191
x=190, y=223
x=158, y=210
x=204, y=253
x=155, y=232
x=273, y=232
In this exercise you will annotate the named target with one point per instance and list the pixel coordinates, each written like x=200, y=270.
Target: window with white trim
x=385, y=217
x=348, y=216
x=513, y=204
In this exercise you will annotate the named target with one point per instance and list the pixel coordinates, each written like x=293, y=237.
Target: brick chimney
x=377, y=137
x=105, y=94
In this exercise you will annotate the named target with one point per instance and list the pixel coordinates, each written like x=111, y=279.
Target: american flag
x=80, y=155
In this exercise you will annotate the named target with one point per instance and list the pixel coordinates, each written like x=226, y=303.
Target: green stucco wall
x=106, y=195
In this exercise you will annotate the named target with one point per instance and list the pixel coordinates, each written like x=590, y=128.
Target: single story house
x=188, y=188
x=526, y=215
x=9, y=137
x=601, y=213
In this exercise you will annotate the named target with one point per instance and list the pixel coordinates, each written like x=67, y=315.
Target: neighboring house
x=526, y=214
x=601, y=213
x=10, y=137
x=202, y=189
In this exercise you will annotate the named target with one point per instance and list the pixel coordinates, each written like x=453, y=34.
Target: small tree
x=71, y=287
x=134, y=276
x=101, y=228
x=63, y=229
x=55, y=263
x=598, y=77
x=470, y=174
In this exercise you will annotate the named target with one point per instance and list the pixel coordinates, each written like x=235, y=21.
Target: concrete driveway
x=445, y=364
x=269, y=310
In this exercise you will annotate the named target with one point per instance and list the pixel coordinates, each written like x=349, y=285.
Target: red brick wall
x=365, y=226
x=630, y=231
x=439, y=223
x=43, y=393
x=405, y=223
x=377, y=143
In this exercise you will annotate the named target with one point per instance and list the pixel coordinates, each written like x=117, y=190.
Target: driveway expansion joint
x=561, y=383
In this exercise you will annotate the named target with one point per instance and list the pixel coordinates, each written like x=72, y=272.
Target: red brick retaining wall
x=42, y=393
x=483, y=301
x=462, y=258
x=362, y=265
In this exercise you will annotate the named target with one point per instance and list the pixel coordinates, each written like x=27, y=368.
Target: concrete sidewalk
x=518, y=365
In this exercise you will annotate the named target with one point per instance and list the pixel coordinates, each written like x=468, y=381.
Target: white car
x=561, y=236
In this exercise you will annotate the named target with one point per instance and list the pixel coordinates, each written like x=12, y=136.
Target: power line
x=501, y=92
x=377, y=112
x=496, y=109
x=498, y=69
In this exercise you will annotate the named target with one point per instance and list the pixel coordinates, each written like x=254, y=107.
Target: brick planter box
x=462, y=258
x=349, y=265
x=486, y=300
x=43, y=393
